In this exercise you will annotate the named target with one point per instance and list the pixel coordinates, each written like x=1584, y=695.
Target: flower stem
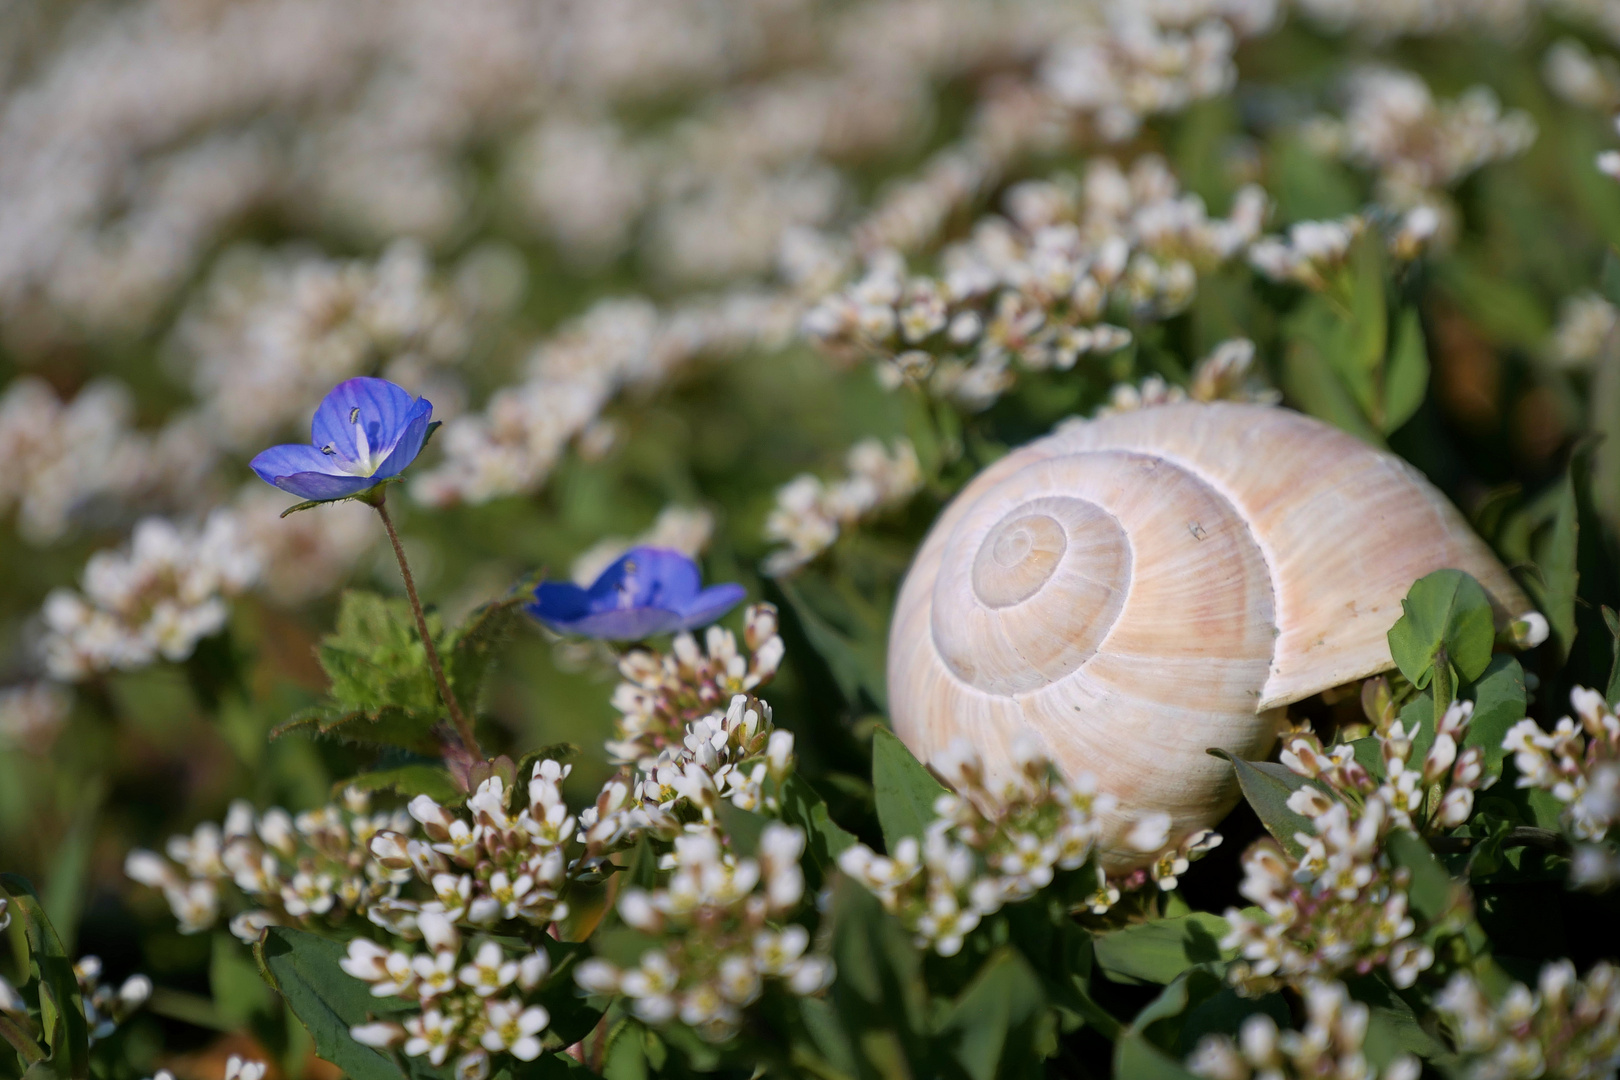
x=463, y=725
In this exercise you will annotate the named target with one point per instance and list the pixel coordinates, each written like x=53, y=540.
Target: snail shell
x=1137, y=589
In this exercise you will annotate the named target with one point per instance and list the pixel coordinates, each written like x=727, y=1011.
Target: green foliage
x=65, y=1052
x=1354, y=359
x=1266, y=785
x=904, y=788
x=1160, y=950
x=1445, y=613
x=304, y=969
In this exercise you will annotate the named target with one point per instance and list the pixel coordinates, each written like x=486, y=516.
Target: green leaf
x=848, y=632
x=1266, y=786
x=995, y=1027
x=61, y=1012
x=375, y=657
x=1432, y=891
x=742, y=827
x=904, y=789
x=572, y=1017
x=1444, y=610
x=388, y=726
x=239, y=992
x=1554, y=550
x=1406, y=372
x=878, y=992
x=1392, y=1028
x=470, y=649
x=1499, y=703
x=327, y=999
x=825, y=839
x=1158, y=951
x=1150, y=1047
x=1612, y=620
x=434, y=781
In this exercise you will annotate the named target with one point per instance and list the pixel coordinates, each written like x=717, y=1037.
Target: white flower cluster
x=1040, y=287
x=1585, y=323
x=106, y=1007
x=810, y=512
x=32, y=715
x=511, y=446
x=1579, y=763
x=67, y=461
x=469, y=1010
x=355, y=118
x=158, y=598
x=1311, y=254
x=989, y=847
x=725, y=926
x=1330, y=1048
x=1567, y=1026
x=1142, y=62
x=679, y=528
x=1342, y=904
x=499, y=868
x=1223, y=375
x=1384, y=19
x=1433, y=796
x=271, y=332
x=1419, y=146
x=1574, y=74
x=662, y=694
x=314, y=867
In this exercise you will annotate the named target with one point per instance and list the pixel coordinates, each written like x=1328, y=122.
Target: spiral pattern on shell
x=1138, y=589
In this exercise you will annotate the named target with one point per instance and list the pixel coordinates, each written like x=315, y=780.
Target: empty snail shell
x=1137, y=589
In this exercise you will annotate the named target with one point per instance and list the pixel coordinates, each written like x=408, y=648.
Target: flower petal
x=290, y=459
x=559, y=602
x=323, y=487
x=623, y=624
x=709, y=605
x=410, y=441
x=376, y=405
x=647, y=577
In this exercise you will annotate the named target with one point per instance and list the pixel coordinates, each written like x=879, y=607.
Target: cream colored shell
x=1136, y=589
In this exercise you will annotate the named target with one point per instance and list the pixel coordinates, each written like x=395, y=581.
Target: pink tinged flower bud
x=636, y=908
x=391, y=851
x=380, y=1035
x=597, y=976
x=366, y=961
x=533, y=969
x=1455, y=807
x=150, y=869
x=439, y=932
x=435, y=819
x=1455, y=720
x=10, y=1000
x=1440, y=758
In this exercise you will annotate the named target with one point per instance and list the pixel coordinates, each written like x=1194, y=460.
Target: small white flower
x=237, y=1068
x=490, y=971
x=514, y=1028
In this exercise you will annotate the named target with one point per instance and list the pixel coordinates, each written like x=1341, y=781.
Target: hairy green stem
x=464, y=727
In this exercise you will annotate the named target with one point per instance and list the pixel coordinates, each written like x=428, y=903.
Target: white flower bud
x=597, y=976
x=380, y=1034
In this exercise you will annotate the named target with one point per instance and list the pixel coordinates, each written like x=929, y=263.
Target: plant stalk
x=464, y=727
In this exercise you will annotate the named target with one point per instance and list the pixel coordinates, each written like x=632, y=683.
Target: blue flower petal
x=709, y=605
x=292, y=458
x=647, y=577
x=382, y=409
x=624, y=624
x=410, y=443
x=559, y=602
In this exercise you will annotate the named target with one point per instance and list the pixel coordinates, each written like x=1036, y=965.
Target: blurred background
x=612, y=241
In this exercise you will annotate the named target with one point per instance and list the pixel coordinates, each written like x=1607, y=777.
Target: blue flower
x=365, y=432
x=648, y=591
